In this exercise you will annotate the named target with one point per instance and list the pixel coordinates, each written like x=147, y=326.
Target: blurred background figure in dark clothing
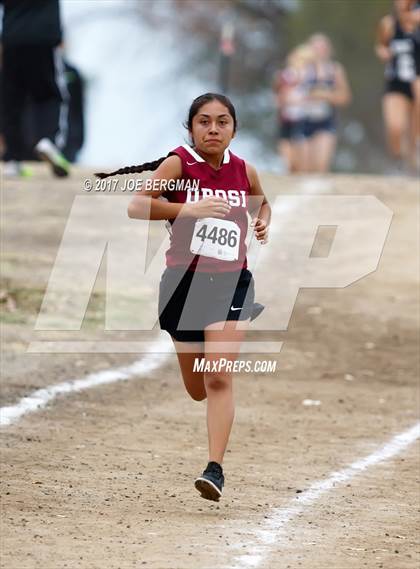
x=395, y=47
x=411, y=18
x=76, y=130
x=33, y=69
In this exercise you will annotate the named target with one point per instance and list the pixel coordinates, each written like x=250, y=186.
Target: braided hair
x=194, y=108
x=147, y=166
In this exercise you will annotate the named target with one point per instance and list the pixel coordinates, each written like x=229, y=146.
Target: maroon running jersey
x=210, y=244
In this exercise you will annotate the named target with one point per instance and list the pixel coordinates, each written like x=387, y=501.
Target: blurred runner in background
x=33, y=68
x=291, y=90
x=328, y=88
x=395, y=47
x=412, y=18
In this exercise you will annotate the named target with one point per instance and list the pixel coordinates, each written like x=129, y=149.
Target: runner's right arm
x=383, y=36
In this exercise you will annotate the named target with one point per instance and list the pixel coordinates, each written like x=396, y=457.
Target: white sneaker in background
x=48, y=151
x=12, y=169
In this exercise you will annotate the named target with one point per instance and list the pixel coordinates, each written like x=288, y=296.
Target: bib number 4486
x=216, y=238
x=218, y=235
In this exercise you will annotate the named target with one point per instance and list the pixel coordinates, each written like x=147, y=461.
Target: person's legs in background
x=13, y=100
x=397, y=109
x=45, y=68
x=293, y=153
x=416, y=125
x=321, y=151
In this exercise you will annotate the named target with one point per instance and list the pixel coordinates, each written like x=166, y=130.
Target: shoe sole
x=58, y=170
x=208, y=490
x=257, y=311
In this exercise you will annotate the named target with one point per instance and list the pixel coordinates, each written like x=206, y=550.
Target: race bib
x=217, y=238
x=406, y=68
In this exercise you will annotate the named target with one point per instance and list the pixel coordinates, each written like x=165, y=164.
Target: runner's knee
x=217, y=381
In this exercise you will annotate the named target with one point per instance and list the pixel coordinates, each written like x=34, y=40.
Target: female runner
x=395, y=47
x=328, y=89
x=411, y=18
x=206, y=296
x=291, y=90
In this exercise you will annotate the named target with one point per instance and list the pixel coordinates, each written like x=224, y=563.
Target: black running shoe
x=256, y=310
x=210, y=484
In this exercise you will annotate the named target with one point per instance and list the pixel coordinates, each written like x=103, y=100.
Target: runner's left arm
x=258, y=206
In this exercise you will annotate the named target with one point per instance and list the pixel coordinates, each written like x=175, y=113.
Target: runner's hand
x=207, y=207
x=384, y=53
x=260, y=229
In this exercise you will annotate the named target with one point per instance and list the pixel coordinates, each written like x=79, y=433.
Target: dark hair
x=147, y=166
x=207, y=98
x=194, y=108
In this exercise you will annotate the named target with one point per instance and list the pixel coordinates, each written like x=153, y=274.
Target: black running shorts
x=315, y=127
x=397, y=86
x=189, y=301
x=292, y=130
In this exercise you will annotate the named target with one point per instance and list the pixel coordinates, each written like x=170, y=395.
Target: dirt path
x=103, y=479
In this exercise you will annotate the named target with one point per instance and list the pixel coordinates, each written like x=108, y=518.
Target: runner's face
x=321, y=47
x=212, y=128
x=403, y=5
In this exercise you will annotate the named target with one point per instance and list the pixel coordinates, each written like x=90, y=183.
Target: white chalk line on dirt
x=38, y=399
x=258, y=541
